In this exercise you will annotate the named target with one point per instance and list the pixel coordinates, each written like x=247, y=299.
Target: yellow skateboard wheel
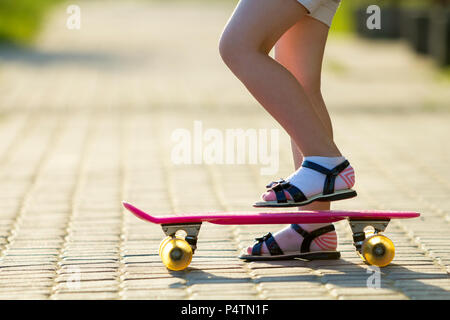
x=176, y=254
x=163, y=243
x=378, y=250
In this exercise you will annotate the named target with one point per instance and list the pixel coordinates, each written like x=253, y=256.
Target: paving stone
x=104, y=295
x=222, y=296
x=375, y=297
x=173, y=294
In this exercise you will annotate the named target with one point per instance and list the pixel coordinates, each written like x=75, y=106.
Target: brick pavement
x=86, y=123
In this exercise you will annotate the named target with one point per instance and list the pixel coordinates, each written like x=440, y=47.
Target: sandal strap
x=279, y=193
x=296, y=194
x=272, y=245
x=308, y=237
x=331, y=175
x=271, y=184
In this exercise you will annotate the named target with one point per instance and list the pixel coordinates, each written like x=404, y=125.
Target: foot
x=311, y=182
x=290, y=241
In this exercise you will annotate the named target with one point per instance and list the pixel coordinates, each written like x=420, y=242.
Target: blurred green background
x=424, y=24
x=20, y=20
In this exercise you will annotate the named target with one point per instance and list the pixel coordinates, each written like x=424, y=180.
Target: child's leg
x=254, y=28
x=252, y=31
x=300, y=50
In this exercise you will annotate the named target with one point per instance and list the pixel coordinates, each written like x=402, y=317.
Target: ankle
x=328, y=162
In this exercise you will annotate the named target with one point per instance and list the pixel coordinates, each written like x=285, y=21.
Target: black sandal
x=299, y=199
x=275, y=252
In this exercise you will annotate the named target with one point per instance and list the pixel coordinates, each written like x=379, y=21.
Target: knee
x=235, y=51
x=230, y=49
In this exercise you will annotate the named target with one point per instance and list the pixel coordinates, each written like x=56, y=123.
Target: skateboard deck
x=182, y=229
x=278, y=217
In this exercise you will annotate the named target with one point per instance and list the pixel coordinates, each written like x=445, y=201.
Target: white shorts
x=322, y=10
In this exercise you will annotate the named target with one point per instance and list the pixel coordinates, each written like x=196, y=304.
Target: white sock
x=311, y=182
x=290, y=241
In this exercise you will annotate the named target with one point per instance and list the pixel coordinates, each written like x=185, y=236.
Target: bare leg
x=300, y=50
x=249, y=36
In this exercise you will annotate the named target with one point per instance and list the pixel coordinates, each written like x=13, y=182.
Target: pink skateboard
x=182, y=230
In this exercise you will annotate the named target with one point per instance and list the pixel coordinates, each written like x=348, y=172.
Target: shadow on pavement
x=39, y=58
x=338, y=273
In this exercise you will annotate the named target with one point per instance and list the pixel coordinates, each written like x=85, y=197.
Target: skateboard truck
x=177, y=249
x=359, y=234
x=372, y=246
x=191, y=230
